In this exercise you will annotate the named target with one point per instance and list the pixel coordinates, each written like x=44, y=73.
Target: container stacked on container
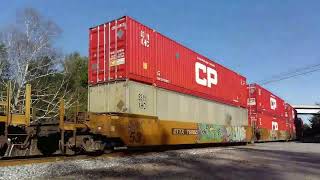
x=290, y=116
x=146, y=56
x=266, y=114
x=134, y=69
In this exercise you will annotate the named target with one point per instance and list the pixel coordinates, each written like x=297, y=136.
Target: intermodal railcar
x=146, y=89
x=270, y=117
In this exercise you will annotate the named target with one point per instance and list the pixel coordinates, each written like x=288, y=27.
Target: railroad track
x=25, y=160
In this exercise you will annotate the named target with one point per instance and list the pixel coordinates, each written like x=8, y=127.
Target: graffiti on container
x=218, y=133
x=285, y=134
x=274, y=134
x=208, y=132
x=282, y=135
x=134, y=132
x=238, y=133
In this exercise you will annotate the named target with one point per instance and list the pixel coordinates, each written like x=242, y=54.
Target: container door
x=107, y=52
x=93, y=59
x=117, y=47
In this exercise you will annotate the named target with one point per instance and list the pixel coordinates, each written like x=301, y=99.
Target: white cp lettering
x=212, y=75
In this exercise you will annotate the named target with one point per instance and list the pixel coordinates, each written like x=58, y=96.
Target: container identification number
x=178, y=131
x=144, y=39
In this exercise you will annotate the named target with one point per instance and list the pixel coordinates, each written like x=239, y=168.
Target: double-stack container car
x=267, y=114
x=290, y=116
x=146, y=89
x=162, y=92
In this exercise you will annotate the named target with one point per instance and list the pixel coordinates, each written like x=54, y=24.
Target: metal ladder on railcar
x=8, y=119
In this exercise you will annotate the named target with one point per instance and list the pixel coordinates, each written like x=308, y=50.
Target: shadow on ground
x=237, y=163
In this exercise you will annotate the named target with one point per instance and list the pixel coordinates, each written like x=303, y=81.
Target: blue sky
x=258, y=39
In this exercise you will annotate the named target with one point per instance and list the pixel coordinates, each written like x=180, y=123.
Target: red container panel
x=106, y=52
x=290, y=116
x=126, y=49
x=262, y=100
x=290, y=113
x=267, y=121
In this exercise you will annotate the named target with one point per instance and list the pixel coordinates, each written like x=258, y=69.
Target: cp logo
x=211, y=75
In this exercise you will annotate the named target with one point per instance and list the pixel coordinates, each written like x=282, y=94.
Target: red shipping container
x=290, y=113
x=290, y=116
x=262, y=100
x=126, y=49
x=267, y=121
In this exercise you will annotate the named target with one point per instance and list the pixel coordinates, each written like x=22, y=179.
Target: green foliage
x=2, y=51
x=299, y=127
x=4, y=66
x=315, y=125
x=76, y=67
x=28, y=56
x=315, y=122
x=76, y=70
x=312, y=130
x=46, y=92
x=70, y=83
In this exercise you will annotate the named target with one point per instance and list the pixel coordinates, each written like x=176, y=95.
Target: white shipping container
x=137, y=98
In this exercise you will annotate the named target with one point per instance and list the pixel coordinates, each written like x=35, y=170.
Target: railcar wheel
x=3, y=149
x=3, y=146
x=47, y=145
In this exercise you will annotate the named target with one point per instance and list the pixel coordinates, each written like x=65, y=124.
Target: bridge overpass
x=307, y=109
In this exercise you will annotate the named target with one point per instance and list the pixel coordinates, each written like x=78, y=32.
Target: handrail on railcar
x=10, y=118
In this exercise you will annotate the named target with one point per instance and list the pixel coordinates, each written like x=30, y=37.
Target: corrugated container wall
x=262, y=100
x=126, y=49
x=290, y=116
x=139, y=98
x=290, y=113
x=267, y=121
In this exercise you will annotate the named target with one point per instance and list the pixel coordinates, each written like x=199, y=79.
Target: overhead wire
x=296, y=70
x=290, y=74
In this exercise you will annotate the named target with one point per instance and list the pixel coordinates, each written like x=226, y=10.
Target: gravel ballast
x=278, y=160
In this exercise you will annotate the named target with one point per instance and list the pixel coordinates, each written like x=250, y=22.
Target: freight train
x=148, y=90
